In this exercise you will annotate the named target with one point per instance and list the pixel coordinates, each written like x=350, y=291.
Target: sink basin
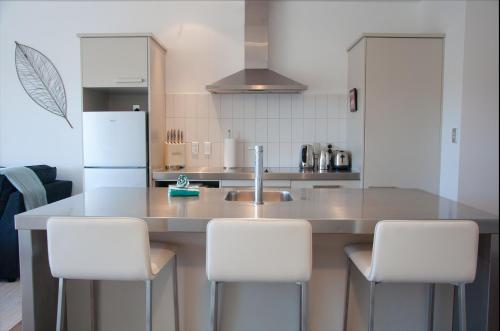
x=268, y=196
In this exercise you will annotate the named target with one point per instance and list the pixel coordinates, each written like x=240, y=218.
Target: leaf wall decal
x=41, y=80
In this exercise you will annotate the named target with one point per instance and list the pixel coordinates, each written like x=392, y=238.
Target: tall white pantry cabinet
x=395, y=134
x=123, y=97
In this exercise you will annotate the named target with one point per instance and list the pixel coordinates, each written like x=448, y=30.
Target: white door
x=114, y=139
x=115, y=62
x=95, y=178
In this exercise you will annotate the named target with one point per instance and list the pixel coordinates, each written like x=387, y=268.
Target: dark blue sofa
x=12, y=203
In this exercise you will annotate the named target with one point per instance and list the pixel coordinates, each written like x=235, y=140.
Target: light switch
x=207, y=146
x=195, y=146
x=454, y=135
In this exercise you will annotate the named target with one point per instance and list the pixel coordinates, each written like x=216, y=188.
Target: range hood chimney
x=256, y=77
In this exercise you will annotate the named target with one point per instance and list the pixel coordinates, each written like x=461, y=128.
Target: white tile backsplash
x=202, y=106
x=279, y=122
x=321, y=106
x=249, y=134
x=285, y=130
x=309, y=105
x=179, y=102
x=261, y=106
x=273, y=106
x=297, y=106
x=261, y=130
x=226, y=106
x=273, y=130
x=285, y=106
x=250, y=106
x=238, y=106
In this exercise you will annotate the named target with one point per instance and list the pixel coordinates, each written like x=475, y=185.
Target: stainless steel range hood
x=256, y=77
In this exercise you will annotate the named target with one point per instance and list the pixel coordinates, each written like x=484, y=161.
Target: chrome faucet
x=259, y=173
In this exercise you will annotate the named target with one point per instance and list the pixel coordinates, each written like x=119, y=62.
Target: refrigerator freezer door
x=108, y=177
x=114, y=139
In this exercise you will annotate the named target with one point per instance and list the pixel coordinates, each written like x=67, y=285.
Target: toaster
x=342, y=160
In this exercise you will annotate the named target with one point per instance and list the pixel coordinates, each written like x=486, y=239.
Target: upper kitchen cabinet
x=395, y=134
x=124, y=73
x=114, y=61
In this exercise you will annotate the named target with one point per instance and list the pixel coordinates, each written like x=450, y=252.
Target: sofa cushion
x=45, y=173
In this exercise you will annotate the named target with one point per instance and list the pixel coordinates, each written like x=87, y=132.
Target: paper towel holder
x=229, y=151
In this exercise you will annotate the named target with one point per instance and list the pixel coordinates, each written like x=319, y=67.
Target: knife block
x=174, y=155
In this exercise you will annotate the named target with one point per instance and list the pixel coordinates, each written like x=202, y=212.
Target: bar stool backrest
x=98, y=248
x=425, y=251
x=259, y=250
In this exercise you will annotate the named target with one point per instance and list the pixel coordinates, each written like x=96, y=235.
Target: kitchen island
x=338, y=217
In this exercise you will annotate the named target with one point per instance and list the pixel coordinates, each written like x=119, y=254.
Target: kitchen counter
x=210, y=173
x=338, y=217
x=329, y=210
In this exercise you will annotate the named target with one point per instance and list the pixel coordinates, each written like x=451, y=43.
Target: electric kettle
x=306, y=157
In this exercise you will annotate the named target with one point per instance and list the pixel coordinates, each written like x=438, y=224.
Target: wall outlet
x=136, y=107
x=207, y=147
x=454, y=135
x=195, y=147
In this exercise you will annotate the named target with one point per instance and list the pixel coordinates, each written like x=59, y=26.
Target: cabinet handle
x=326, y=186
x=129, y=80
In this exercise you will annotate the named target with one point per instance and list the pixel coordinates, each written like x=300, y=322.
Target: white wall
x=205, y=42
x=308, y=40
x=478, y=185
x=448, y=17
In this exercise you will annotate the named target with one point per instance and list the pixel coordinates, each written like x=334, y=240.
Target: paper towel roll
x=229, y=153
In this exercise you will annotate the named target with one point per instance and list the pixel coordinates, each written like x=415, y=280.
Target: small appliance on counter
x=174, y=150
x=331, y=157
x=342, y=160
x=324, y=160
x=306, y=157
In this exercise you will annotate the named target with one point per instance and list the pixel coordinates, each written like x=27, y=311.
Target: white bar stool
x=417, y=252
x=97, y=248
x=258, y=250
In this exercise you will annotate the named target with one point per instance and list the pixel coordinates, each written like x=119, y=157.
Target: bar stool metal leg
x=371, y=314
x=430, y=308
x=462, y=310
x=214, y=305
x=61, y=304
x=303, y=306
x=347, y=288
x=93, y=309
x=176, y=297
x=149, y=300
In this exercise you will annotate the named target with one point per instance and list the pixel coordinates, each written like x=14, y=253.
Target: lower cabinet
x=251, y=183
x=325, y=184
x=294, y=184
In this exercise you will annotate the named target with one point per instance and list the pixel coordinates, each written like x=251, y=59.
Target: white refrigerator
x=114, y=149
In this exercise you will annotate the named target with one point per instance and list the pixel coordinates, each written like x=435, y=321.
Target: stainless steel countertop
x=329, y=210
x=209, y=173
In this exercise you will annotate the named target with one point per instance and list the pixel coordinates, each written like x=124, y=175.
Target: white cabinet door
x=296, y=184
x=95, y=178
x=403, y=112
x=115, y=62
x=114, y=139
